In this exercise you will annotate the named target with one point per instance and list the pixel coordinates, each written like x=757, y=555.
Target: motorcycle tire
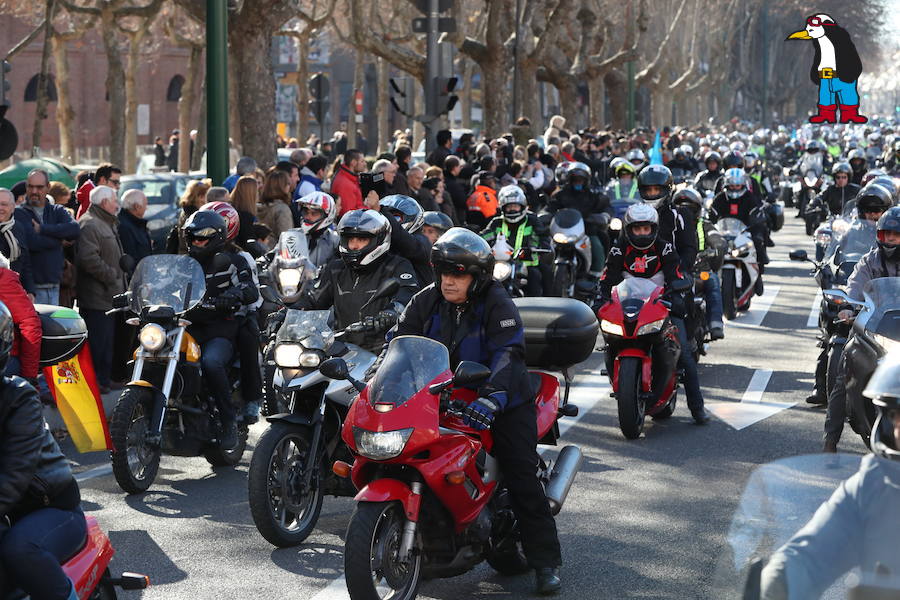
x=377, y=527
x=218, y=456
x=267, y=504
x=811, y=226
x=628, y=398
x=562, y=282
x=134, y=466
x=729, y=295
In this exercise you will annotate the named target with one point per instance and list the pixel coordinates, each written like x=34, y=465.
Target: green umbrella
x=58, y=171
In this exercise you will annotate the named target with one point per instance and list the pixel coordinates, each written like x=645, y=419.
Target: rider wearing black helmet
x=872, y=201
x=675, y=225
x=706, y=180
x=41, y=522
x=229, y=286
x=406, y=218
x=474, y=317
x=838, y=193
x=857, y=160
x=594, y=207
x=881, y=261
x=436, y=224
x=347, y=283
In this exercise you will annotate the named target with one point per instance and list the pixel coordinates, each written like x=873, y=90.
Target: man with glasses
x=52, y=225
x=837, y=194
x=108, y=175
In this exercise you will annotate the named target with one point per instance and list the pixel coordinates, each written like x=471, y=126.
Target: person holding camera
x=345, y=184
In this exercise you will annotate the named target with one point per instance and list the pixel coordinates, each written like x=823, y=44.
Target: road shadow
x=165, y=571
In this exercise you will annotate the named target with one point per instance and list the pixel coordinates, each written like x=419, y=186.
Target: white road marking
x=759, y=307
x=813, y=319
x=584, y=396
x=751, y=409
x=101, y=471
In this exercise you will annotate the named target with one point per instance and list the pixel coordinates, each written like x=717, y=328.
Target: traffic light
x=4, y=84
x=446, y=99
x=401, y=98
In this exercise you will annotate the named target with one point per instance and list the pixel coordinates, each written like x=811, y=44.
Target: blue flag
x=656, y=151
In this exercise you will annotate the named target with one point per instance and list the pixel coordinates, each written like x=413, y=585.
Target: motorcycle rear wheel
x=628, y=398
x=729, y=301
x=218, y=456
x=280, y=450
x=371, y=566
x=135, y=461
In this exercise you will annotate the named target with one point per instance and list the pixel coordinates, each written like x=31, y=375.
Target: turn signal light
x=455, y=477
x=341, y=469
x=704, y=275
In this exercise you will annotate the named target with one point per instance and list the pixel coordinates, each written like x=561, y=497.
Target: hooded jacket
x=27, y=341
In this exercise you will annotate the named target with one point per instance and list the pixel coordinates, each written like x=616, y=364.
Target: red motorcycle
x=432, y=501
x=642, y=352
x=89, y=570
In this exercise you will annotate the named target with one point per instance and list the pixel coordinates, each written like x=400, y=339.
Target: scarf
x=6, y=230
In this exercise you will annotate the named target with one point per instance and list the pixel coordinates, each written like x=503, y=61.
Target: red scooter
x=89, y=570
x=432, y=501
x=642, y=352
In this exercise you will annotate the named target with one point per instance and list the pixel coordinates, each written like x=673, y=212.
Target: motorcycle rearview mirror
x=680, y=285
x=840, y=297
x=336, y=368
x=269, y=294
x=468, y=372
x=798, y=255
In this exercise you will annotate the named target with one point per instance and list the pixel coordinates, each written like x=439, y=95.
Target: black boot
x=547, y=581
x=701, y=417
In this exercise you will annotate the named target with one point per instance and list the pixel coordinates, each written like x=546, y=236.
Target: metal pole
x=629, y=115
x=765, y=65
x=432, y=70
x=217, y=90
x=515, y=86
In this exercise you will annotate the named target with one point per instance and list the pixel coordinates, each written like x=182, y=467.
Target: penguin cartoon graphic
x=835, y=69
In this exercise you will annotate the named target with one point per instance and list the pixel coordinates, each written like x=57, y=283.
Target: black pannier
x=559, y=332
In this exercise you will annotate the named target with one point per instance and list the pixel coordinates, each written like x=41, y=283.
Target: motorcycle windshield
x=309, y=328
x=167, y=280
x=857, y=240
x=884, y=293
x=411, y=363
x=849, y=210
x=635, y=288
x=730, y=228
x=838, y=548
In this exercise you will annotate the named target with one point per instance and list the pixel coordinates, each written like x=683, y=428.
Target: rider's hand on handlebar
x=479, y=414
x=845, y=315
x=226, y=303
x=120, y=300
x=386, y=319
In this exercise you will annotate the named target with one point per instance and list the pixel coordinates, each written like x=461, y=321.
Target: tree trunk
x=528, y=86
x=202, y=133
x=568, y=100
x=303, y=41
x=494, y=97
x=596, y=102
x=186, y=106
x=358, y=82
x=115, y=87
x=465, y=99
x=134, y=56
x=65, y=114
x=418, y=130
x=251, y=49
x=40, y=112
x=384, y=110
x=617, y=89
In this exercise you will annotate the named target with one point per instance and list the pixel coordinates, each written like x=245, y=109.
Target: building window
x=31, y=90
x=173, y=94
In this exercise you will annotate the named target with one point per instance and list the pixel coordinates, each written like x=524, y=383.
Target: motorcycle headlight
x=616, y=224
x=823, y=238
x=381, y=445
x=611, y=328
x=501, y=271
x=288, y=355
x=653, y=327
x=152, y=337
x=561, y=238
x=310, y=359
x=289, y=280
x=742, y=250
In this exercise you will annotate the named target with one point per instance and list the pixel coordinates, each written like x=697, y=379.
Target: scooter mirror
x=798, y=254
x=468, y=372
x=335, y=368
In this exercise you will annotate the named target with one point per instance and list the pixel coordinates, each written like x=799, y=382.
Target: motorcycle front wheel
x=135, y=461
x=562, y=282
x=628, y=398
x=729, y=301
x=282, y=514
x=372, y=567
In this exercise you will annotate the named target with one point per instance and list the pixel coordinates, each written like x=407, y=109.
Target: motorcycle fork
x=161, y=405
x=412, y=519
x=315, y=445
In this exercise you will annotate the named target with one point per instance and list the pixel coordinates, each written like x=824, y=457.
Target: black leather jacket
x=33, y=471
x=834, y=197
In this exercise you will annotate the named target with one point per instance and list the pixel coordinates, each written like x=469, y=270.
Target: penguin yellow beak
x=799, y=35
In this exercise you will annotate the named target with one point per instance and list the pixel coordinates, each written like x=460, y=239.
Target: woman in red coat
x=26, y=350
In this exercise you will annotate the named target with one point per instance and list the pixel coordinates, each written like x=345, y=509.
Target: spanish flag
x=74, y=387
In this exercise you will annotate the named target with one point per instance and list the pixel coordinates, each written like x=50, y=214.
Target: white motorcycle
x=740, y=275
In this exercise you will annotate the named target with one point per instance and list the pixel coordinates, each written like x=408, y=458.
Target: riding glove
x=480, y=413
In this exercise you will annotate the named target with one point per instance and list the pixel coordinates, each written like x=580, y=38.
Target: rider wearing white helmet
x=317, y=212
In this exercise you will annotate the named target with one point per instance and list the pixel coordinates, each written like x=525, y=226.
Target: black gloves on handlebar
x=383, y=321
x=121, y=300
x=227, y=302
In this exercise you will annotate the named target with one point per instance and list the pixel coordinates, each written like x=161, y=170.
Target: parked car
x=162, y=191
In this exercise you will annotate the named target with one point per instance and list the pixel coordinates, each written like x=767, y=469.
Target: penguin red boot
x=827, y=114
x=850, y=114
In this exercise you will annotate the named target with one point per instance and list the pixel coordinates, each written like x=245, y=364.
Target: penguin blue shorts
x=834, y=91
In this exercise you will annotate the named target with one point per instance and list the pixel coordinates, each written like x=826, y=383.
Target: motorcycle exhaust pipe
x=564, y=470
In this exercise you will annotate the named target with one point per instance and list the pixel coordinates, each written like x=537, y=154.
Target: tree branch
x=26, y=40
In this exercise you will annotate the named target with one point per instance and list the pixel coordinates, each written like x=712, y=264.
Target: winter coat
x=22, y=265
x=277, y=216
x=27, y=341
x=45, y=247
x=871, y=266
x=346, y=185
x=97, y=260
x=134, y=236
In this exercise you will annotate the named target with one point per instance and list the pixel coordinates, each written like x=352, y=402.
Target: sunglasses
x=840, y=177
x=817, y=22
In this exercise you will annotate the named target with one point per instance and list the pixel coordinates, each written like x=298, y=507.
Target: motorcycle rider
x=675, y=225
x=837, y=194
x=637, y=158
x=710, y=251
x=348, y=282
x=474, y=317
x=406, y=218
x=436, y=224
x=317, y=212
x=594, y=209
x=640, y=251
x=681, y=161
x=624, y=186
x=857, y=526
x=214, y=322
x=857, y=160
x=881, y=261
x=520, y=229
x=890, y=162
x=41, y=522
x=705, y=181
x=737, y=202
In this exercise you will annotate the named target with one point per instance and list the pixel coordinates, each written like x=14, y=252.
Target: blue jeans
x=712, y=291
x=46, y=295
x=834, y=91
x=101, y=328
x=687, y=363
x=215, y=359
x=33, y=548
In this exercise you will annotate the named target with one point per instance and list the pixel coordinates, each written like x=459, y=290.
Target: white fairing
x=339, y=392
